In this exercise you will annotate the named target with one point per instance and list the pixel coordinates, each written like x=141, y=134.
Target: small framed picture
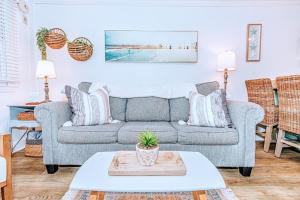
x=254, y=32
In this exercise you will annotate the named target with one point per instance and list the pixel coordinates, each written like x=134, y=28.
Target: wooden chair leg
x=6, y=192
x=5, y=151
x=268, y=138
x=279, y=143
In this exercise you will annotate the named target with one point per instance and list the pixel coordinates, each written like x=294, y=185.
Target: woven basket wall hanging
x=55, y=38
x=80, y=49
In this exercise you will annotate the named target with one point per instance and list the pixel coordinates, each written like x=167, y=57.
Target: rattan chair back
x=289, y=103
x=260, y=91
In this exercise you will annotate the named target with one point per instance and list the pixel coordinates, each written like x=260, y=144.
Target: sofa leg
x=51, y=169
x=245, y=171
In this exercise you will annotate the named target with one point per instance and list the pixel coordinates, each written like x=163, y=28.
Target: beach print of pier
x=151, y=46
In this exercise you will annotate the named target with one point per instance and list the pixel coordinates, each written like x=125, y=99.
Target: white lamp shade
x=226, y=60
x=45, y=68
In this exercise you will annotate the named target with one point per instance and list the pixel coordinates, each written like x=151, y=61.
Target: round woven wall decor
x=55, y=38
x=80, y=49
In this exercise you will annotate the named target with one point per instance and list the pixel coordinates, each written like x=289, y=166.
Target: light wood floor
x=272, y=178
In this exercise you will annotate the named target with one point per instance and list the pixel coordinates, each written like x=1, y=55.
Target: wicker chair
x=289, y=111
x=260, y=91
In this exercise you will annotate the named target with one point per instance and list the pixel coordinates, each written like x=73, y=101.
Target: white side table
x=18, y=138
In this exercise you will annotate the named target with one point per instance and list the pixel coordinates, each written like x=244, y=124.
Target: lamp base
x=46, y=89
x=225, y=79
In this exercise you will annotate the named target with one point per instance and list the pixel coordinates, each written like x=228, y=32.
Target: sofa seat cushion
x=129, y=132
x=195, y=135
x=2, y=169
x=99, y=134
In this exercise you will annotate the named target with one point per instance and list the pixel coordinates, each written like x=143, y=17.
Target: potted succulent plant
x=147, y=148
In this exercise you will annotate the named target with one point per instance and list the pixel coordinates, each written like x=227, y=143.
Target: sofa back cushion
x=117, y=105
x=147, y=109
x=180, y=107
x=118, y=108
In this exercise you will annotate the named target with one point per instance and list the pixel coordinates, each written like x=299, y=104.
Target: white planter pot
x=147, y=157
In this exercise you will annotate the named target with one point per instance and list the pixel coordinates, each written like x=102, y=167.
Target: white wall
x=21, y=93
x=220, y=28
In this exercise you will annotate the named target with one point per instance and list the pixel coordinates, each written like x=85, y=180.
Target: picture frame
x=151, y=46
x=254, y=36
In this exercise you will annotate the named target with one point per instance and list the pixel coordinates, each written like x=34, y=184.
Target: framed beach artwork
x=151, y=46
x=254, y=32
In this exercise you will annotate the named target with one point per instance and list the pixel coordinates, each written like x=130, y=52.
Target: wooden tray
x=168, y=163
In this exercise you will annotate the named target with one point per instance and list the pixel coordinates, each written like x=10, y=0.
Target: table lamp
x=45, y=69
x=226, y=62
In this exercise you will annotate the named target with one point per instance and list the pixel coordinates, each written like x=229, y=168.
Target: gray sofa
x=225, y=147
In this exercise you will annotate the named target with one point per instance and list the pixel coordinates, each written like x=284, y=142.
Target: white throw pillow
x=207, y=110
x=89, y=109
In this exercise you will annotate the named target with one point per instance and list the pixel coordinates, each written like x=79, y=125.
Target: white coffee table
x=201, y=175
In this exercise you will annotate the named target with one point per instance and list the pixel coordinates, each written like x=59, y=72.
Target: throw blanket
x=163, y=91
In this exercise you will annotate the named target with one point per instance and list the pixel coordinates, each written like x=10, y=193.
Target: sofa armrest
x=59, y=111
x=239, y=110
x=245, y=116
x=51, y=116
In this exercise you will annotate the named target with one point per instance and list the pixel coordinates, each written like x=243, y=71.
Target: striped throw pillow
x=88, y=109
x=207, y=110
